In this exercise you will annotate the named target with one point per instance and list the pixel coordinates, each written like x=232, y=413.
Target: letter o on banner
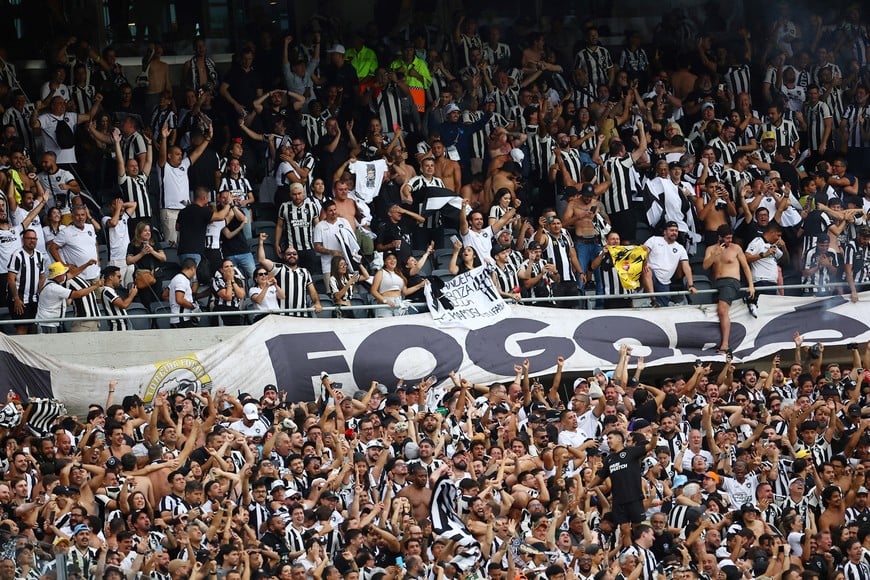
x=376, y=356
x=598, y=335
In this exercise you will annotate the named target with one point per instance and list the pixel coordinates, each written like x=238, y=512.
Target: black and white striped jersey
x=295, y=283
x=858, y=257
x=786, y=132
x=618, y=196
x=506, y=101
x=857, y=118
x=29, y=269
x=135, y=188
x=597, y=62
x=507, y=278
x=218, y=283
x=119, y=321
x=558, y=252
x=82, y=98
x=132, y=145
x=815, y=116
x=86, y=306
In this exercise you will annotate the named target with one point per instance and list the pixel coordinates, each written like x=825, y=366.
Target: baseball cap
x=451, y=108
x=533, y=245
x=714, y=476
x=278, y=484
x=854, y=409
x=250, y=411
x=768, y=135
x=707, y=105
x=374, y=443
x=587, y=190
x=337, y=48
x=80, y=528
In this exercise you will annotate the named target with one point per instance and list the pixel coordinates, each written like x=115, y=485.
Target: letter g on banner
x=486, y=347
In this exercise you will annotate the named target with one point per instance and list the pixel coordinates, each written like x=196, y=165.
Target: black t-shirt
x=390, y=232
x=201, y=173
x=277, y=544
x=243, y=85
x=192, y=222
x=623, y=468
x=236, y=245
x=146, y=262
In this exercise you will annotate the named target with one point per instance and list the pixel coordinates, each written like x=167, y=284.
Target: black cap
x=497, y=249
x=587, y=190
x=854, y=409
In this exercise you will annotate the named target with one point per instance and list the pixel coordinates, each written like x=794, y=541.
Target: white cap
x=517, y=155
x=339, y=48
x=250, y=411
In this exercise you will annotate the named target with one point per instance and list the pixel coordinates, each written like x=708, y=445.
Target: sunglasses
x=258, y=274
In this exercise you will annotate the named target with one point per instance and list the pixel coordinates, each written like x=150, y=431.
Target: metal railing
x=367, y=307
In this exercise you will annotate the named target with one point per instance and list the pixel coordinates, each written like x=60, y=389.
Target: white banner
x=470, y=300
x=291, y=352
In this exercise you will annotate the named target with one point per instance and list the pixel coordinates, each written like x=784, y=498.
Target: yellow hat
x=57, y=269
x=768, y=135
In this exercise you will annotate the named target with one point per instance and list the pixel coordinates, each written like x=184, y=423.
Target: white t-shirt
x=270, y=302
x=45, y=92
x=481, y=242
x=118, y=236
x=10, y=242
x=36, y=225
x=763, y=269
x=369, y=176
x=49, y=122
x=179, y=283
x=330, y=235
x=664, y=258
x=52, y=302
x=176, y=185
x=57, y=197
x=77, y=246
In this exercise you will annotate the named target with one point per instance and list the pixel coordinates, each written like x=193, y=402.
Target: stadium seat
x=442, y=257
x=326, y=302
x=160, y=308
x=138, y=323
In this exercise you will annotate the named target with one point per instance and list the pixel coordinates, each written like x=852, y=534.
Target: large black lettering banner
x=292, y=352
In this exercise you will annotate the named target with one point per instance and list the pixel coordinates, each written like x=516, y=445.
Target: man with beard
x=292, y=279
x=417, y=493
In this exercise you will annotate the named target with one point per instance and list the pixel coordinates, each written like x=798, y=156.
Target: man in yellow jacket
x=416, y=74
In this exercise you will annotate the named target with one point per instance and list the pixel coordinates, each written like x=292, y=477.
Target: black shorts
x=729, y=289
x=28, y=314
x=631, y=512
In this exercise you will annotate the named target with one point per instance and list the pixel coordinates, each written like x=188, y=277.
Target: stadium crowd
x=346, y=168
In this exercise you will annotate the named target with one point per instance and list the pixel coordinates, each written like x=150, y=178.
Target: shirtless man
x=716, y=210
x=579, y=214
x=506, y=176
x=117, y=443
x=727, y=260
x=158, y=74
x=344, y=206
x=417, y=493
x=88, y=478
x=445, y=168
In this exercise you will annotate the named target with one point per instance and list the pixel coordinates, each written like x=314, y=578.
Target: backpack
x=64, y=136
